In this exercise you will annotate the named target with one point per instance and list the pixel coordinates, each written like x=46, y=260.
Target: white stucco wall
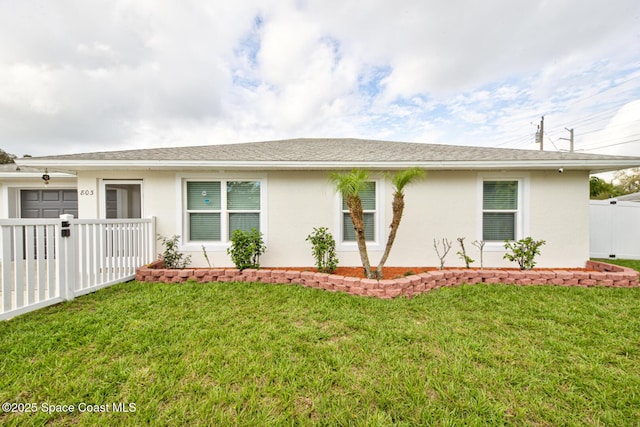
x=560, y=215
x=444, y=205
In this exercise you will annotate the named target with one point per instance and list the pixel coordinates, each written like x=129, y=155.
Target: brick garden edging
x=605, y=275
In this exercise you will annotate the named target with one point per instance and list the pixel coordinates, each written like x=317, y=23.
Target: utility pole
x=570, y=139
x=540, y=134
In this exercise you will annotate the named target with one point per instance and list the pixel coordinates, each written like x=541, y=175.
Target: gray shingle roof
x=318, y=151
x=328, y=149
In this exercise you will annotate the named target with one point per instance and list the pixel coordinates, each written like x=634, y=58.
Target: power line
x=515, y=141
x=610, y=126
x=590, y=121
x=606, y=89
x=552, y=143
x=626, y=137
x=614, y=105
x=611, y=145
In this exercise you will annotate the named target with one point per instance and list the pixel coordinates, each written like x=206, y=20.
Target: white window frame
x=377, y=243
x=103, y=193
x=522, y=213
x=183, y=214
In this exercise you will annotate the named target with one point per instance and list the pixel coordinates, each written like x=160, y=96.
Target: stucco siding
x=560, y=216
x=446, y=204
x=441, y=206
x=297, y=202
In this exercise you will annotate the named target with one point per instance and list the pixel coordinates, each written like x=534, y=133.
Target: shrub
x=463, y=253
x=323, y=249
x=206, y=256
x=523, y=252
x=171, y=257
x=446, y=246
x=480, y=245
x=246, y=248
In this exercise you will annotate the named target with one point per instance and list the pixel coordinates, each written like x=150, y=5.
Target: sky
x=101, y=75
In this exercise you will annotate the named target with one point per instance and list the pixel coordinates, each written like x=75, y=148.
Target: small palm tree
x=349, y=186
x=400, y=180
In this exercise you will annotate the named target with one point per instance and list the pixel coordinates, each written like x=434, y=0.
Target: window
x=213, y=214
x=368, y=197
x=204, y=208
x=243, y=205
x=500, y=210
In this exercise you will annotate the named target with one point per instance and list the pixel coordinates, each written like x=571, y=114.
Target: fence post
x=7, y=280
x=153, y=239
x=67, y=271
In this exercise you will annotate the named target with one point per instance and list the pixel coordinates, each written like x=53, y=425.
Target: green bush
x=246, y=248
x=171, y=257
x=523, y=252
x=323, y=249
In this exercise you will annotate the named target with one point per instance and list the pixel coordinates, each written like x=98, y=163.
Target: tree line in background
x=6, y=158
x=624, y=182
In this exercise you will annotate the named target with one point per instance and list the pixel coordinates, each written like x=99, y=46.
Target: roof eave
x=21, y=175
x=599, y=165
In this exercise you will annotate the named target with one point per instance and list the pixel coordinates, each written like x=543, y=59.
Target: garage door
x=48, y=203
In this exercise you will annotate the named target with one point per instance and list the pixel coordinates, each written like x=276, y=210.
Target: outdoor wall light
x=46, y=177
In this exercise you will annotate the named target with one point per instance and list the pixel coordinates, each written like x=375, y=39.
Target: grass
x=253, y=354
x=631, y=263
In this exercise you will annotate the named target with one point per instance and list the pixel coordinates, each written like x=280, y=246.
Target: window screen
x=368, y=197
x=500, y=208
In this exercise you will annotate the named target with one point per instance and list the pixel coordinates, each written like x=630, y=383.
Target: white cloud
x=621, y=135
x=84, y=76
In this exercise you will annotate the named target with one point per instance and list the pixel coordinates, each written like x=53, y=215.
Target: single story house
x=282, y=188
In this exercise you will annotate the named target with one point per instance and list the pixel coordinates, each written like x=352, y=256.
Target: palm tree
x=400, y=180
x=349, y=186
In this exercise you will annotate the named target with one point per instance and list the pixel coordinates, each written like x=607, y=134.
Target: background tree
x=400, y=180
x=600, y=189
x=629, y=180
x=6, y=158
x=624, y=182
x=349, y=185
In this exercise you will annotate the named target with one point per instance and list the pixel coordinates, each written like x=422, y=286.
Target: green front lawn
x=253, y=354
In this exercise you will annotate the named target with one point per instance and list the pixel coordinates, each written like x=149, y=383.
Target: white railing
x=29, y=265
x=614, y=229
x=113, y=250
x=44, y=262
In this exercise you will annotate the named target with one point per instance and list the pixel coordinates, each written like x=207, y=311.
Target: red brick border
x=603, y=275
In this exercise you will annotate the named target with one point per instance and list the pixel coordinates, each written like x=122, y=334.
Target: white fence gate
x=614, y=229
x=47, y=261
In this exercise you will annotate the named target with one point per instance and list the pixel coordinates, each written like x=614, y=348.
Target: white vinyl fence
x=614, y=229
x=47, y=261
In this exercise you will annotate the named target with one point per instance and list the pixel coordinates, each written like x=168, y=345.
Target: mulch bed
x=397, y=272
